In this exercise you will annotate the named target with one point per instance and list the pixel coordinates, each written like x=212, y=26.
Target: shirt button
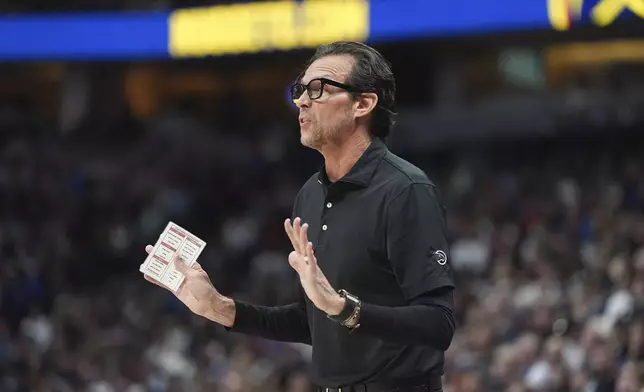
x=329, y=205
x=324, y=227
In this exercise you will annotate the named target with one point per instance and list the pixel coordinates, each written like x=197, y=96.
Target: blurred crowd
x=547, y=239
x=76, y=212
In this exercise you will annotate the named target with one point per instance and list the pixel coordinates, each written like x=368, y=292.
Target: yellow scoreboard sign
x=255, y=27
x=563, y=13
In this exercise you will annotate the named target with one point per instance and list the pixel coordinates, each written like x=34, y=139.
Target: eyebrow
x=316, y=77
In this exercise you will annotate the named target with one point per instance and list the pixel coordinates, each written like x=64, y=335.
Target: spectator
x=550, y=264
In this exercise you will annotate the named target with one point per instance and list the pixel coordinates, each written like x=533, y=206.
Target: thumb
x=179, y=265
x=294, y=261
x=195, y=266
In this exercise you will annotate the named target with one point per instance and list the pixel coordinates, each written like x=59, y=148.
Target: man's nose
x=303, y=100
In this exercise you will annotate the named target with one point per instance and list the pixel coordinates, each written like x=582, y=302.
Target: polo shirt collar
x=362, y=172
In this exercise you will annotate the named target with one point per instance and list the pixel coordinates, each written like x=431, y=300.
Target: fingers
x=291, y=234
x=149, y=249
x=297, y=228
x=298, y=234
x=309, y=254
x=301, y=262
x=304, y=237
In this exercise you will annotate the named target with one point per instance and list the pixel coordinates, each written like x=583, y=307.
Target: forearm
x=425, y=322
x=288, y=323
x=285, y=323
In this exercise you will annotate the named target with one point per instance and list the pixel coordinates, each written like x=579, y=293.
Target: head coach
x=369, y=242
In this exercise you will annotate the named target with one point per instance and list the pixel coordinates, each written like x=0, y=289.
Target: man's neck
x=340, y=158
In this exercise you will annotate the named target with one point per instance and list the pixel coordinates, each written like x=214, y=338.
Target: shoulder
x=312, y=184
x=401, y=175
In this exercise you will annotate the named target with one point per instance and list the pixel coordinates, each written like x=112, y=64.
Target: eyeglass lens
x=314, y=89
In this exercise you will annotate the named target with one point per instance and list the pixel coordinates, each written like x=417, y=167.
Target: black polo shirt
x=379, y=233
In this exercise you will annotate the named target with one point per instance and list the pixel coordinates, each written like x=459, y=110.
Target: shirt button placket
x=328, y=205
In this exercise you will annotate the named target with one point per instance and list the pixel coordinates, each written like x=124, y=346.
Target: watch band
x=350, y=312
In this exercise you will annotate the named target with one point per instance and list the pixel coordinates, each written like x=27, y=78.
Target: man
x=368, y=239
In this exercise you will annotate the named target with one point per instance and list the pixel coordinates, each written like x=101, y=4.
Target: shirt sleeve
x=288, y=323
x=418, y=251
x=427, y=321
x=417, y=241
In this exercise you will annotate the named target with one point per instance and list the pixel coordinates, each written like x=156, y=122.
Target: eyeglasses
x=315, y=88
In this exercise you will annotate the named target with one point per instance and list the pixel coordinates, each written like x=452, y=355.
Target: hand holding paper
x=172, y=264
x=173, y=242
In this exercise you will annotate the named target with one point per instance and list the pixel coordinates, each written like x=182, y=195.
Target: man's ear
x=366, y=103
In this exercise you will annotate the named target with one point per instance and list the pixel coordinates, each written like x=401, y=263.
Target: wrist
x=349, y=314
x=336, y=306
x=221, y=310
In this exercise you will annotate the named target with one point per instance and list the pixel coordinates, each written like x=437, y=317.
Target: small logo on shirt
x=441, y=257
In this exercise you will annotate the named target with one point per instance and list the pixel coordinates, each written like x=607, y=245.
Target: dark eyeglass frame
x=295, y=94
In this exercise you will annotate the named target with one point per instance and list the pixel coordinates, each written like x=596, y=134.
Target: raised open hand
x=302, y=259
